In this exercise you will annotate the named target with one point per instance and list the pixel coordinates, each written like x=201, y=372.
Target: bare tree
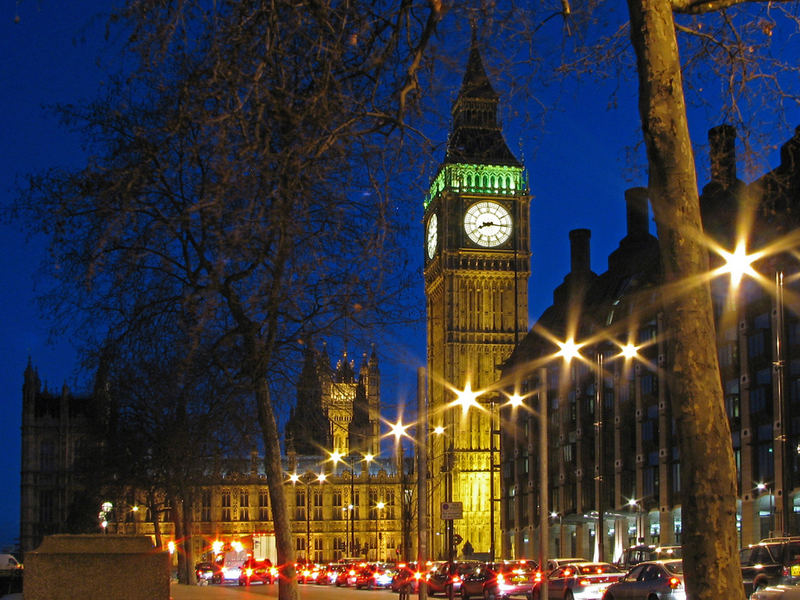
x=236, y=179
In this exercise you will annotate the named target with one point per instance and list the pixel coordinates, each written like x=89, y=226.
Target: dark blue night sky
x=578, y=172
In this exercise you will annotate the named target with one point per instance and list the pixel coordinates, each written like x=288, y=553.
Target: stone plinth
x=96, y=567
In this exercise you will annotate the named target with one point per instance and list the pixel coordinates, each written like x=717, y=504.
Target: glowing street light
x=467, y=398
x=739, y=263
x=568, y=349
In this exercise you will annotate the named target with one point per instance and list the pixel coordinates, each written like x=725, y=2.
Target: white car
x=777, y=592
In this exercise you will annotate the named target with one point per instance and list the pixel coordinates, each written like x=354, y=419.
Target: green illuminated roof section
x=481, y=179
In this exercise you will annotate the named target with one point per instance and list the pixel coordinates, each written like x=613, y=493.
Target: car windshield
x=675, y=567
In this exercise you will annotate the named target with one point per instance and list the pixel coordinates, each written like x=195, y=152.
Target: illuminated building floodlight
x=438, y=430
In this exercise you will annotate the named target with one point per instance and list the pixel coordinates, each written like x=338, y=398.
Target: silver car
x=660, y=578
x=580, y=581
x=777, y=592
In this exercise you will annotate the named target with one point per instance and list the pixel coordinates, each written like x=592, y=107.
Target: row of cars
x=565, y=578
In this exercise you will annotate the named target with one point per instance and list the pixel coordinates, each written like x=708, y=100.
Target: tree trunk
x=708, y=472
x=187, y=544
x=180, y=533
x=287, y=583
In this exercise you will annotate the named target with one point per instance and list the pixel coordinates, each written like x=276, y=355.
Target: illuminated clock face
x=488, y=224
x=432, y=236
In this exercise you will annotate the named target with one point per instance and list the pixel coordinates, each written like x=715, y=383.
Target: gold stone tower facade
x=477, y=265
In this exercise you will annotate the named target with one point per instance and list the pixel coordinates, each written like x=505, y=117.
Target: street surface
x=254, y=592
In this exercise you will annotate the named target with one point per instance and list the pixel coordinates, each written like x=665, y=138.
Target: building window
x=755, y=344
x=318, y=547
x=244, y=505
x=205, y=505
x=263, y=505
x=337, y=499
x=47, y=456
x=46, y=507
x=317, y=505
x=300, y=505
x=226, y=505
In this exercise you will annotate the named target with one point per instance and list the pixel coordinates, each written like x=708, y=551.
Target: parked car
x=765, y=563
x=407, y=577
x=375, y=575
x=446, y=575
x=329, y=573
x=473, y=582
x=777, y=592
x=347, y=576
x=579, y=581
x=510, y=579
x=662, y=579
x=256, y=571
x=207, y=572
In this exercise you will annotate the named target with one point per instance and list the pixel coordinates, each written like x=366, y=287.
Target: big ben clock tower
x=477, y=265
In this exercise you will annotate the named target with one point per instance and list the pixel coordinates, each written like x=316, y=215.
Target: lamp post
x=295, y=479
x=738, y=264
x=762, y=487
x=379, y=506
x=337, y=458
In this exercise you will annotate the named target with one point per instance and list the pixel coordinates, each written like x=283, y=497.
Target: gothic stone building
x=356, y=510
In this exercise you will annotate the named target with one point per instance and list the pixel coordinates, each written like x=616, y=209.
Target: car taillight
x=501, y=580
x=785, y=571
x=417, y=575
x=456, y=578
x=352, y=572
x=675, y=583
x=537, y=577
x=249, y=571
x=584, y=582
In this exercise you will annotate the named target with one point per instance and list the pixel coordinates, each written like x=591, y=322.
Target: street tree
x=174, y=420
x=238, y=178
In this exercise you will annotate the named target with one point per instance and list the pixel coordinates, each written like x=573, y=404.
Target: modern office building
x=614, y=463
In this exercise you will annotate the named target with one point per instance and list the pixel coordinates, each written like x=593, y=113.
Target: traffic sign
x=452, y=510
x=457, y=539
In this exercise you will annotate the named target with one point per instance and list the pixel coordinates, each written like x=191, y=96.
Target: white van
x=9, y=563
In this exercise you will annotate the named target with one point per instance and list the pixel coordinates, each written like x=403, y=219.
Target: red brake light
x=537, y=576
x=674, y=582
x=456, y=578
x=584, y=582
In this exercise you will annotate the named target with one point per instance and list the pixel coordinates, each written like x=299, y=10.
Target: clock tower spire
x=477, y=265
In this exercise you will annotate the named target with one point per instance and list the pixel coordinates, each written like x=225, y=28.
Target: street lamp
x=762, y=487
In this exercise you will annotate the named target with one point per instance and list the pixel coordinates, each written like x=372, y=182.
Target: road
x=256, y=592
